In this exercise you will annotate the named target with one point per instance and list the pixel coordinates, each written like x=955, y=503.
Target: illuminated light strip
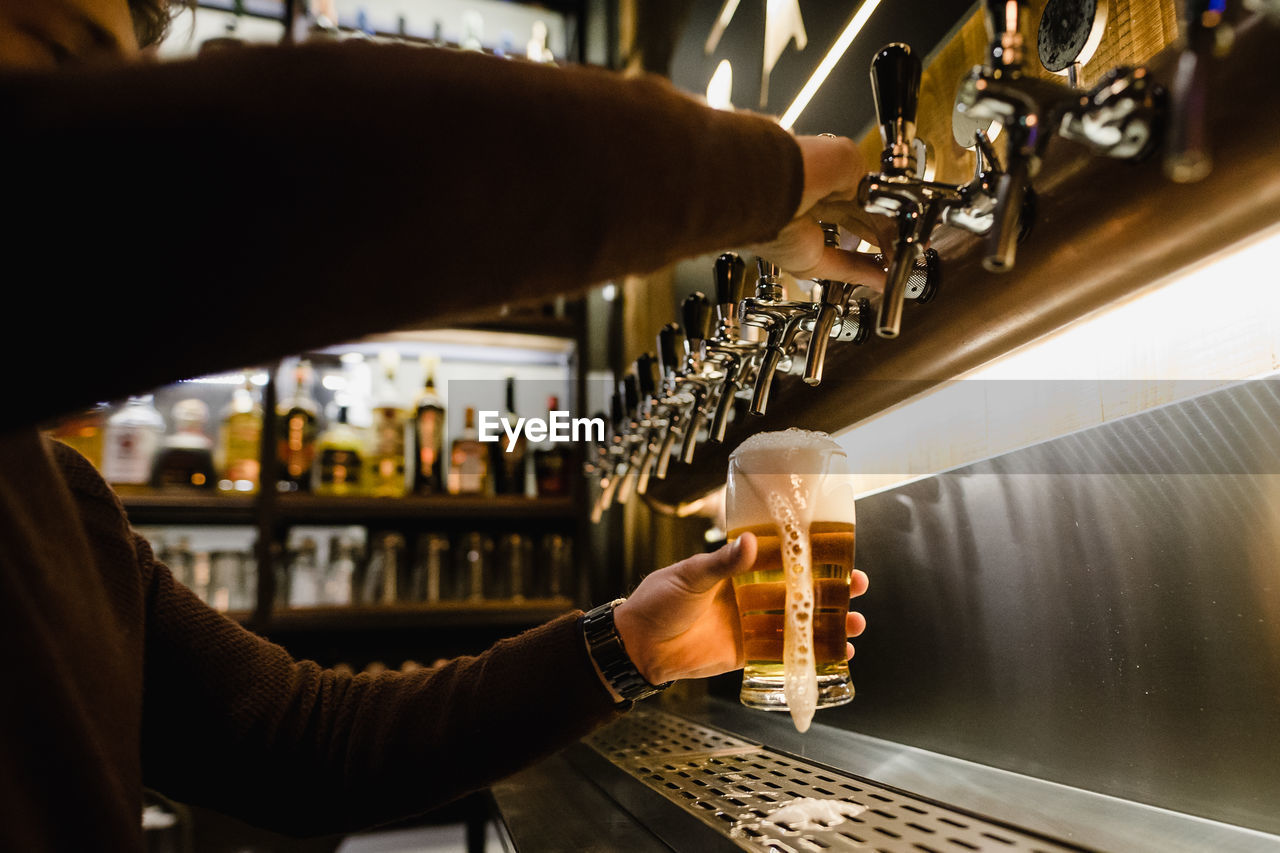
x=828, y=62
x=722, y=22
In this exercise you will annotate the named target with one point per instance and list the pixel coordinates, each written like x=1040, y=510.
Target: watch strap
x=605, y=646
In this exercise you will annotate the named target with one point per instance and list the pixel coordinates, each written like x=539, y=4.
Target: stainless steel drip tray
x=758, y=799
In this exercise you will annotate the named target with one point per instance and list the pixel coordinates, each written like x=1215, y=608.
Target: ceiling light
x=829, y=61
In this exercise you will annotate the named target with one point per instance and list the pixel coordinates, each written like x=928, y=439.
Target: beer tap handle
x=668, y=359
x=696, y=313
x=895, y=88
x=628, y=391
x=629, y=388
x=645, y=366
x=767, y=285
x=731, y=287
x=1187, y=158
x=617, y=420
x=1005, y=19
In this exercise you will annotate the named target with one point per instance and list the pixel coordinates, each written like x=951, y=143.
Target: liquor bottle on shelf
x=386, y=461
x=240, y=442
x=339, y=459
x=185, y=458
x=510, y=458
x=83, y=431
x=296, y=437
x=469, y=471
x=428, y=436
x=130, y=442
x=551, y=463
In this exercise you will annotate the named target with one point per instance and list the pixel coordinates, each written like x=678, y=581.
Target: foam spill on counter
x=804, y=814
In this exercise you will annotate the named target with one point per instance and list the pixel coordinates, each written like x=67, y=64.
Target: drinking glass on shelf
x=512, y=571
x=430, y=572
x=554, y=566
x=382, y=575
x=472, y=558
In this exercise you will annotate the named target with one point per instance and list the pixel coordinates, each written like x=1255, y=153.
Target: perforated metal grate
x=766, y=801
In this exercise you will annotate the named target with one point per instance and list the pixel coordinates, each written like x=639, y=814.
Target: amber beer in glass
x=793, y=491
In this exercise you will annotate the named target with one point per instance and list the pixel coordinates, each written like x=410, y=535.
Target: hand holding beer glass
x=792, y=489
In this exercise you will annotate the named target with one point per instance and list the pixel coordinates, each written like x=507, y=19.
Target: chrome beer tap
x=633, y=435
x=898, y=191
x=698, y=378
x=1116, y=118
x=736, y=358
x=835, y=315
x=780, y=319
x=595, y=468
x=653, y=420
x=670, y=396
x=613, y=465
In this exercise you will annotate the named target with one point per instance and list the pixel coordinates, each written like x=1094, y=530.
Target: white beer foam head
x=768, y=462
x=789, y=479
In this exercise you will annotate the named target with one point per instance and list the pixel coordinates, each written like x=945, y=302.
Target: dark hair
x=151, y=18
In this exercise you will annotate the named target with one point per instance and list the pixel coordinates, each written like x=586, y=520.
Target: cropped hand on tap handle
x=833, y=167
x=682, y=621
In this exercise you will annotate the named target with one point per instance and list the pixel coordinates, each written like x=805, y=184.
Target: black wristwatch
x=610, y=655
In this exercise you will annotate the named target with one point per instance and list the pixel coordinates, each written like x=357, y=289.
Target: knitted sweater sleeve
x=260, y=202
x=231, y=721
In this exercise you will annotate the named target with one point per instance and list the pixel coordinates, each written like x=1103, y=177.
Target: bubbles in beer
x=784, y=487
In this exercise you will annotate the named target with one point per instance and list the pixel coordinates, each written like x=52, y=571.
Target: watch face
x=1070, y=31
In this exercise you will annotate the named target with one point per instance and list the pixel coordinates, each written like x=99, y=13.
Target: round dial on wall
x=1070, y=32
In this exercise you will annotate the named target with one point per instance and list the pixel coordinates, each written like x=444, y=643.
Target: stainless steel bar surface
x=765, y=800
x=747, y=792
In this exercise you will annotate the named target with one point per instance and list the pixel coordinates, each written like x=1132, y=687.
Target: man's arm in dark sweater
x=177, y=219
x=232, y=722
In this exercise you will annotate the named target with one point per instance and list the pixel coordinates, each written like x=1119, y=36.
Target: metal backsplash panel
x=1101, y=610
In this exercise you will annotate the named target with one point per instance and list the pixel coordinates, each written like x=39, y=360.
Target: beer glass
x=792, y=490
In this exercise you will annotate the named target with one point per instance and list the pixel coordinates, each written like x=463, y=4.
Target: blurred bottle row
x=403, y=450
x=470, y=567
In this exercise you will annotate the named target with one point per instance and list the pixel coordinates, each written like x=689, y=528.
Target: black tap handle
x=1005, y=19
x=895, y=87
x=617, y=416
x=1187, y=155
x=645, y=367
x=731, y=279
x=767, y=269
x=668, y=360
x=696, y=312
x=629, y=387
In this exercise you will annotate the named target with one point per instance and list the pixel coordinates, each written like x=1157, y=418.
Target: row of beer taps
x=726, y=355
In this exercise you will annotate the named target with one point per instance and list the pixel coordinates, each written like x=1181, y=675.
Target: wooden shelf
x=190, y=509
x=241, y=509
x=437, y=615
x=310, y=508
